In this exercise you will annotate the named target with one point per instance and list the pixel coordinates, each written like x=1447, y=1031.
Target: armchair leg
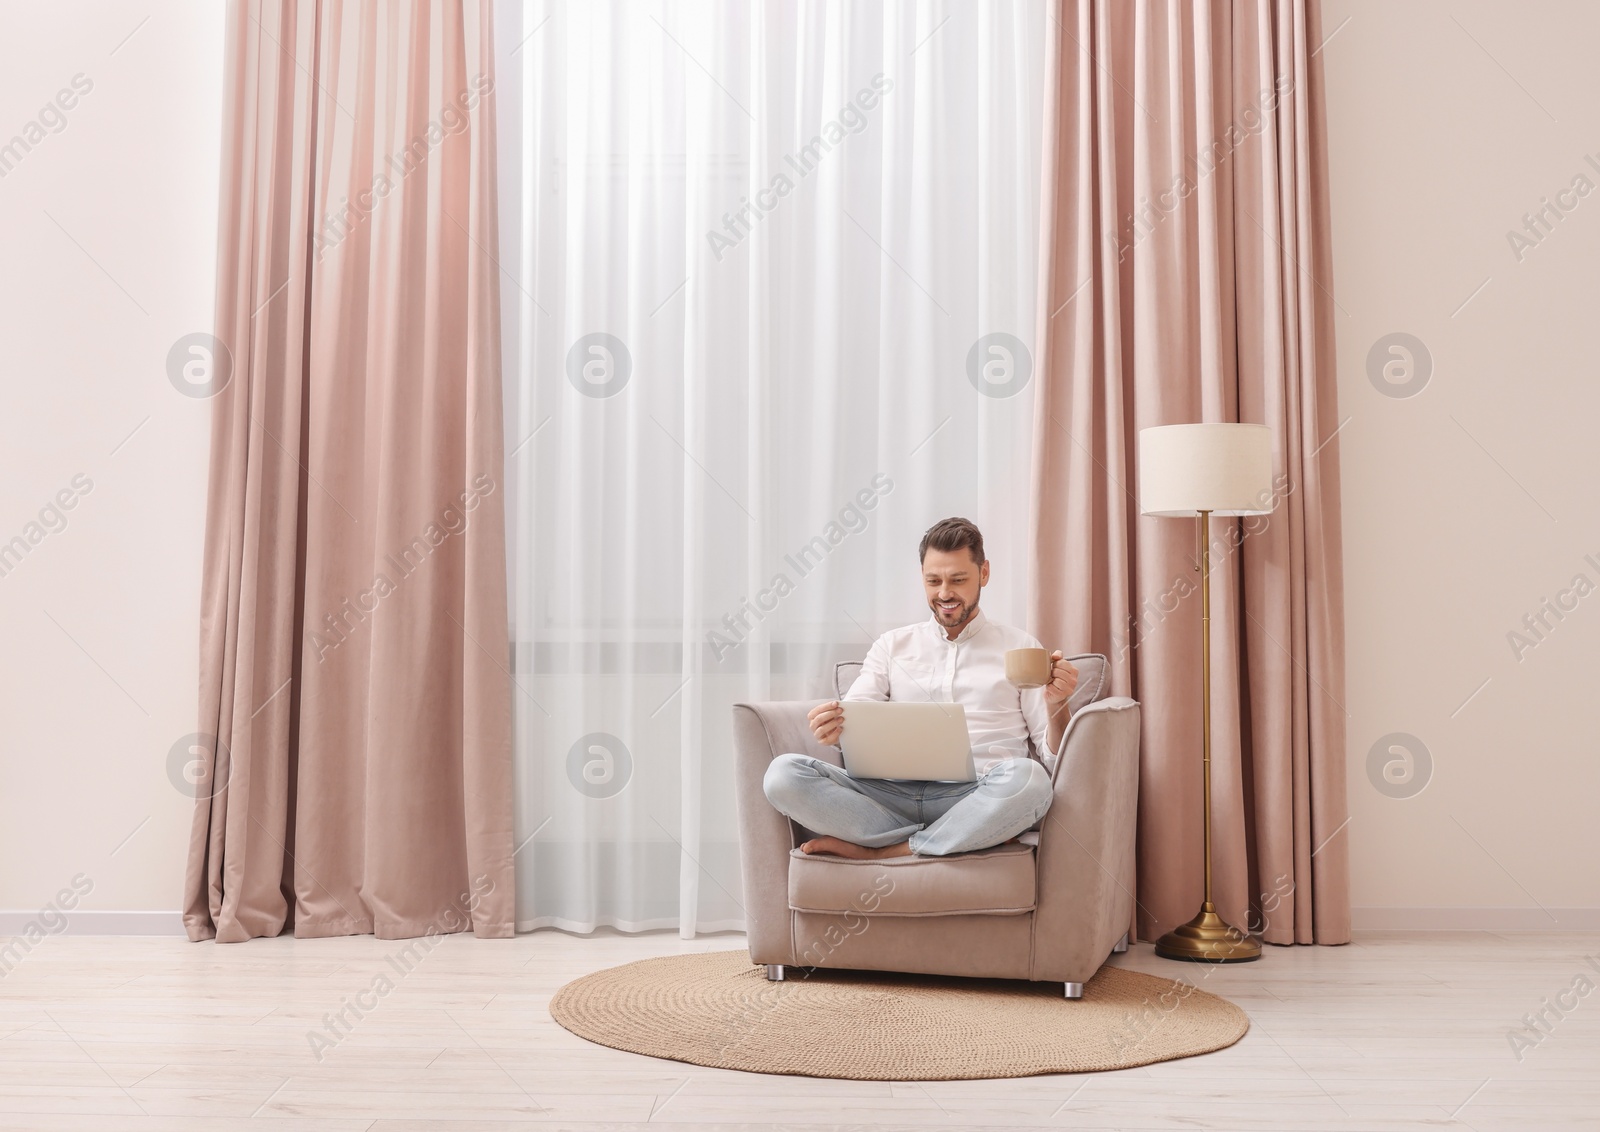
x=774, y=972
x=1074, y=990
x=1121, y=945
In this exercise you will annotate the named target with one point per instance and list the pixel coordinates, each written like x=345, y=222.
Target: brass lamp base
x=1208, y=938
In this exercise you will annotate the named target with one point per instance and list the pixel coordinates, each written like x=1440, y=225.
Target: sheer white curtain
x=768, y=315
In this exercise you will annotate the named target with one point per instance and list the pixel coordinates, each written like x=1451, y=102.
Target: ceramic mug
x=1028, y=668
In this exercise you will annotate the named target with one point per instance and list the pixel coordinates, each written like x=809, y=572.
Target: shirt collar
x=968, y=631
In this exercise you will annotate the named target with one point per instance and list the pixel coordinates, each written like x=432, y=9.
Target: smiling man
x=956, y=656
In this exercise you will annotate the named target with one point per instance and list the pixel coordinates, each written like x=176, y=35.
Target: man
x=957, y=656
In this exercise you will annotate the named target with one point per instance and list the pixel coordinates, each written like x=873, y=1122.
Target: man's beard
x=951, y=620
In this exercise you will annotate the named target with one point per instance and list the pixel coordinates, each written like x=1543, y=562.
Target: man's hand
x=1063, y=679
x=827, y=721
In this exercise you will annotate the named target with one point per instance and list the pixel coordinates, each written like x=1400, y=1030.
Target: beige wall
x=107, y=243
x=1466, y=505
x=1470, y=502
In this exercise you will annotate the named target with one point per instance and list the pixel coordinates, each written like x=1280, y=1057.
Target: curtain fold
x=355, y=767
x=1186, y=276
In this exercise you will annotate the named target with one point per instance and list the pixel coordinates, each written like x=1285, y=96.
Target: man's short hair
x=950, y=535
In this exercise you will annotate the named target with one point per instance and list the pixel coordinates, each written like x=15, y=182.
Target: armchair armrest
x=1086, y=843
x=762, y=732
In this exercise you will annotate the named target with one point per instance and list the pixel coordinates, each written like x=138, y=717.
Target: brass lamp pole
x=1207, y=938
x=1202, y=470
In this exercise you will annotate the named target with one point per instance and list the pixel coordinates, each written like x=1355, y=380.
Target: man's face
x=953, y=582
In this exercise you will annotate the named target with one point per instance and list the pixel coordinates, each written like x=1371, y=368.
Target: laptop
x=925, y=742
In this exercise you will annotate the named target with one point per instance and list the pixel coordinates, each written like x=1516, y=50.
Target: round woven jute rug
x=718, y=1010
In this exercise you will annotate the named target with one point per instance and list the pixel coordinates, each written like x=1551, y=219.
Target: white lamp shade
x=1225, y=469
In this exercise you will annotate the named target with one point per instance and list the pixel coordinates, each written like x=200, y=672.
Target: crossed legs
x=870, y=818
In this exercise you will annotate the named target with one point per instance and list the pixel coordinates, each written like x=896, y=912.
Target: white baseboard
x=1477, y=919
x=83, y=921
x=86, y=922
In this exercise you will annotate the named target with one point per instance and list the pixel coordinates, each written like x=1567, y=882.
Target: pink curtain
x=1186, y=277
x=353, y=635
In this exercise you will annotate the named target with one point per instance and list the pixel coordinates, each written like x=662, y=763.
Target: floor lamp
x=1203, y=470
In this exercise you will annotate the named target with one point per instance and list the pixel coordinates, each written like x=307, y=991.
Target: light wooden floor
x=1399, y=1030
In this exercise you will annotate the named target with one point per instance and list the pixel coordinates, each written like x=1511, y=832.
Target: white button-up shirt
x=920, y=663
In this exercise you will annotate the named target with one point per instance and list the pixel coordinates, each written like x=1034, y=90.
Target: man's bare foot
x=837, y=848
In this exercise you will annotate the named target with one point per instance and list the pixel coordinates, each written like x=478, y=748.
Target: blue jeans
x=937, y=818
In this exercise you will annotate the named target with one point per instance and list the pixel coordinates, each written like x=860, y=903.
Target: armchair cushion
x=997, y=881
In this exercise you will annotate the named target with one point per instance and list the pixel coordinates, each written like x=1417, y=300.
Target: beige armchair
x=1048, y=912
